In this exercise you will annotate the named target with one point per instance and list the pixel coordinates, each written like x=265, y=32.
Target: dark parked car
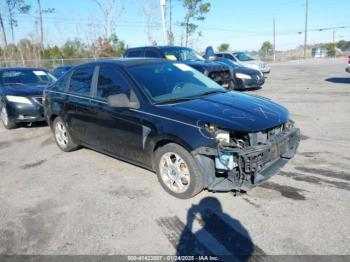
x=21, y=92
x=246, y=60
x=61, y=70
x=243, y=77
x=347, y=69
x=219, y=72
x=169, y=118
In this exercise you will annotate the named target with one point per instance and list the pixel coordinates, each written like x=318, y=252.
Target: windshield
x=243, y=57
x=25, y=77
x=181, y=54
x=173, y=82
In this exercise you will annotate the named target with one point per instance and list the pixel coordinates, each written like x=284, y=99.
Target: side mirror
x=122, y=101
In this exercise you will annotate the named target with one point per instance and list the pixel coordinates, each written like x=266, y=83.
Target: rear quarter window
x=61, y=84
x=80, y=81
x=111, y=82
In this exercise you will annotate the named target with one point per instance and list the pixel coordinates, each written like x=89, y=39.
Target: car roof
x=160, y=47
x=127, y=61
x=22, y=68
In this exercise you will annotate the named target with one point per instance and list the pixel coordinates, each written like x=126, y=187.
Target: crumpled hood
x=26, y=90
x=210, y=66
x=234, y=111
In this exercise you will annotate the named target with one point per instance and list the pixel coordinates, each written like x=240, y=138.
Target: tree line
x=101, y=39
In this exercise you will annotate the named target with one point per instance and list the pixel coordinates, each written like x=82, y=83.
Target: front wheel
x=62, y=136
x=7, y=122
x=178, y=172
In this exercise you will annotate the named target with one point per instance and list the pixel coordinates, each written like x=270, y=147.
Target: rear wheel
x=7, y=122
x=62, y=136
x=178, y=172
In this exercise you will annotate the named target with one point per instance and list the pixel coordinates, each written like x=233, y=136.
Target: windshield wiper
x=174, y=100
x=209, y=93
x=183, y=99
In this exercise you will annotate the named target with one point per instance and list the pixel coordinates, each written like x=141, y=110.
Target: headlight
x=219, y=134
x=223, y=136
x=18, y=99
x=289, y=124
x=242, y=76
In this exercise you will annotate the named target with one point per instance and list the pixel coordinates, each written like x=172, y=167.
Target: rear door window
x=81, y=79
x=111, y=82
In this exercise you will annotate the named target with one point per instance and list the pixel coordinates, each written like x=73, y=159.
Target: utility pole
x=170, y=16
x=162, y=10
x=306, y=18
x=274, y=40
x=40, y=13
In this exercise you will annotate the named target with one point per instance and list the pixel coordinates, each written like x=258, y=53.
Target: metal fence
x=49, y=63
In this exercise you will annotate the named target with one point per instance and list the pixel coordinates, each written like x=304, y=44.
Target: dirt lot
x=87, y=203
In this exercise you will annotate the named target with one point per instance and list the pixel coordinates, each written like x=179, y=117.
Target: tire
x=62, y=136
x=6, y=121
x=187, y=168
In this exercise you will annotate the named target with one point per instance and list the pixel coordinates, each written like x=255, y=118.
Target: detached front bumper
x=253, y=165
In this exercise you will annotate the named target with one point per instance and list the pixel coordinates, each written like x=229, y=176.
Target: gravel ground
x=88, y=203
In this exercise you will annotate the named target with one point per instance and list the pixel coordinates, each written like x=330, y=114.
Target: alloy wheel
x=4, y=116
x=174, y=172
x=61, y=134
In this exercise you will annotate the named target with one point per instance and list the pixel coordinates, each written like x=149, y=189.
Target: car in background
x=219, y=72
x=347, y=69
x=245, y=60
x=173, y=120
x=21, y=95
x=61, y=70
x=243, y=78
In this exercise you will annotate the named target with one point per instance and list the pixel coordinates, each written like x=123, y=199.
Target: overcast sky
x=244, y=24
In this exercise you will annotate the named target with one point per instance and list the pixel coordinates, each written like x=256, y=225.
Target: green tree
x=343, y=45
x=223, y=47
x=74, y=49
x=196, y=9
x=266, y=49
x=52, y=53
x=330, y=48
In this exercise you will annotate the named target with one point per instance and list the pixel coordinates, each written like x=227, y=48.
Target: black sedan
x=21, y=92
x=243, y=77
x=170, y=118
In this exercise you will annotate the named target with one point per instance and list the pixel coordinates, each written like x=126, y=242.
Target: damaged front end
x=243, y=161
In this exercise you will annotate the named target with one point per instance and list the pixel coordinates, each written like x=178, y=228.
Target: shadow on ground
x=339, y=80
x=209, y=231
